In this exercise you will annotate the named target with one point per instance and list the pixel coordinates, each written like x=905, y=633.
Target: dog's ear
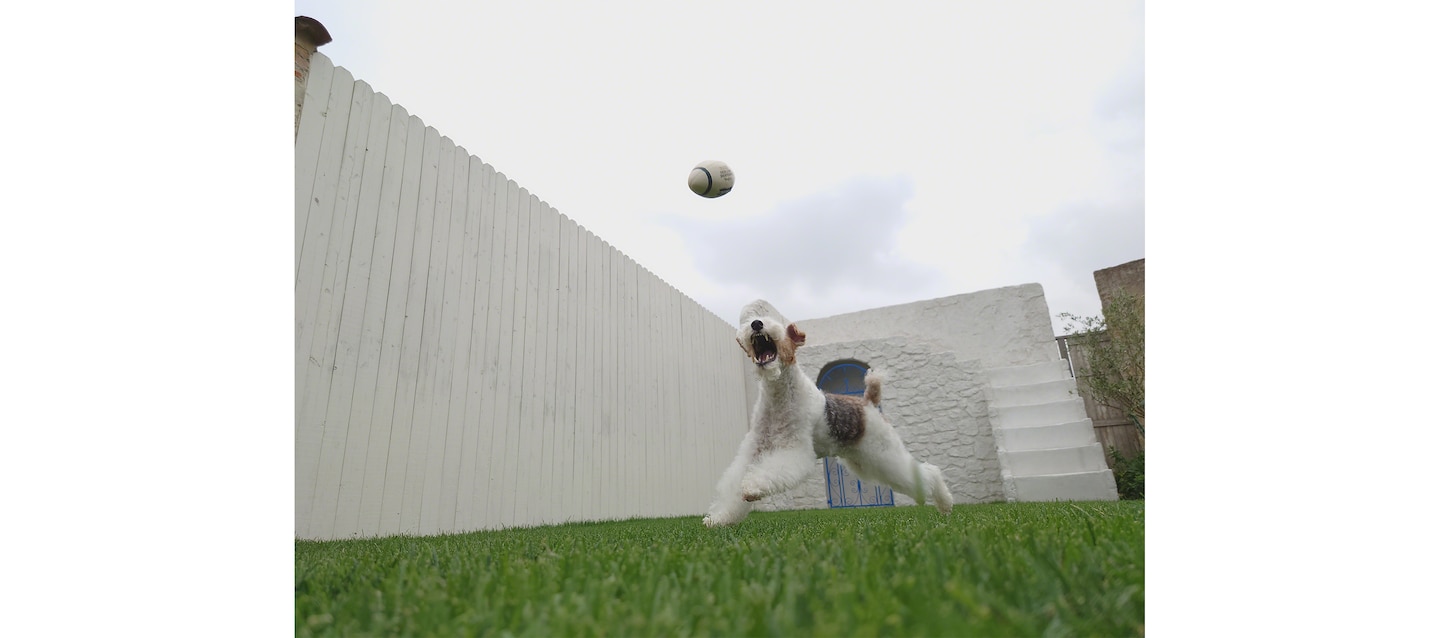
x=795, y=335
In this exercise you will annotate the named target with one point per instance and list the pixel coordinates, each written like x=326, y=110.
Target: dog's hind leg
x=777, y=470
x=921, y=481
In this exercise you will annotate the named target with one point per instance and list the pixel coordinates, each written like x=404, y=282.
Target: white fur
x=788, y=431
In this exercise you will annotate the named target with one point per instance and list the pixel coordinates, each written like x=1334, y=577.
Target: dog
x=794, y=423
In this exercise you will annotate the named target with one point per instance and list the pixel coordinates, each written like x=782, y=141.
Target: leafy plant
x=1113, y=351
x=1129, y=474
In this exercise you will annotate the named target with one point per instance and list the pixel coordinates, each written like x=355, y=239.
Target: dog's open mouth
x=764, y=348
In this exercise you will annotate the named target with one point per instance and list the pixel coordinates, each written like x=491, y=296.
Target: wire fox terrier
x=794, y=423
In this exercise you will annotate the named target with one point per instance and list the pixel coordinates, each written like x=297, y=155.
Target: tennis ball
x=711, y=178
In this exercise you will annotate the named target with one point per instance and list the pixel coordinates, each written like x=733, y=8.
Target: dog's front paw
x=751, y=492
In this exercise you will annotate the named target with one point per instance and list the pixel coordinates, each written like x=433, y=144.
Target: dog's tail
x=873, y=379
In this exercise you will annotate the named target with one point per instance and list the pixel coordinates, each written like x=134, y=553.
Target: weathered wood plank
x=497, y=412
x=514, y=459
x=314, y=118
x=407, y=438
x=436, y=169
x=482, y=199
x=445, y=279
x=380, y=507
x=460, y=311
x=363, y=316
x=309, y=283
x=317, y=403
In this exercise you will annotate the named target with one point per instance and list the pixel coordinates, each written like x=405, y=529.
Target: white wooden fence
x=467, y=358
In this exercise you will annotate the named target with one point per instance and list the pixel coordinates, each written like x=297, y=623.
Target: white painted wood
x=529, y=466
x=308, y=141
x=363, y=315
x=429, y=282
x=460, y=311
x=552, y=497
x=490, y=445
x=319, y=378
x=444, y=282
x=566, y=356
x=647, y=336
x=503, y=434
x=389, y=441
x=538, y=391
x=309, y=282
x=603, y=460
x=588, y=380
x=676, y=445
x=400, y=501
x=482, y=199
x=516, y=369
x=634, y=390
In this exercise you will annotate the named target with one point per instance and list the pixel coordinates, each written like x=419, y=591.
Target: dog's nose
x=756, y=325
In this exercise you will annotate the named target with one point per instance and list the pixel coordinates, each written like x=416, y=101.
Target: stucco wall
x=999, y=327
x=935, y=401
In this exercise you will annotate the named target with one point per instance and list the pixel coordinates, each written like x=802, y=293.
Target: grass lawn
x=1001, y=569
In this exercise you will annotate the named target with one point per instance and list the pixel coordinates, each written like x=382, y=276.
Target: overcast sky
x=883, y=153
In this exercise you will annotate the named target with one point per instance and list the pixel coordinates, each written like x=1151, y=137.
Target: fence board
x=543, y=393
x=605, y=448
x=309, y=278
x=401, y=499
x=445, y=276
x=309, y=140
x=515, y=400
x=432, y=173
x=364, y=314
x=322, y=406
x=389, y=442
x=528, y=474
x=589, y=378
x=503, y=437
x=566, y=357
x=460, y=308
x=482, y=201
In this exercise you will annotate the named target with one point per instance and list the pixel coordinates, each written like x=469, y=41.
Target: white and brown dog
x=795, y=423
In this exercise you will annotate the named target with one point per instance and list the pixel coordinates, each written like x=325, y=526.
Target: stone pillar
x=309, y=36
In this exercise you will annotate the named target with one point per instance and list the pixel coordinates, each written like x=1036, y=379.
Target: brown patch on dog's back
x=845, y=416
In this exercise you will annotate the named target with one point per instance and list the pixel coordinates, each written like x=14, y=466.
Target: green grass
x=1024, y=569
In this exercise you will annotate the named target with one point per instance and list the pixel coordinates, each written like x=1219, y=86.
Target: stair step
x=1029, y=374
x=1035, y=393
x=1040, y=437
x=1079, y=486
x=1063, y=460
x=1022, y=416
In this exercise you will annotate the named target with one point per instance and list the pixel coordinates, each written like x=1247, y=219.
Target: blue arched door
x=842, y=488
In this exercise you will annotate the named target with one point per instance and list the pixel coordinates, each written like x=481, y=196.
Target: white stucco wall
x=999, y=327
x=935, y=401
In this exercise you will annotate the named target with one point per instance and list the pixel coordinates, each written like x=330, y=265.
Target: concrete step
x=1029, y=374
x=1022, y=416
x=1079, y=486
x=1040, y=437
x=1062, y=460
x=1035, y=393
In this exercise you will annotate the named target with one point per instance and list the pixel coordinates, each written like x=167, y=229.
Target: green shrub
x=1129, y=474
